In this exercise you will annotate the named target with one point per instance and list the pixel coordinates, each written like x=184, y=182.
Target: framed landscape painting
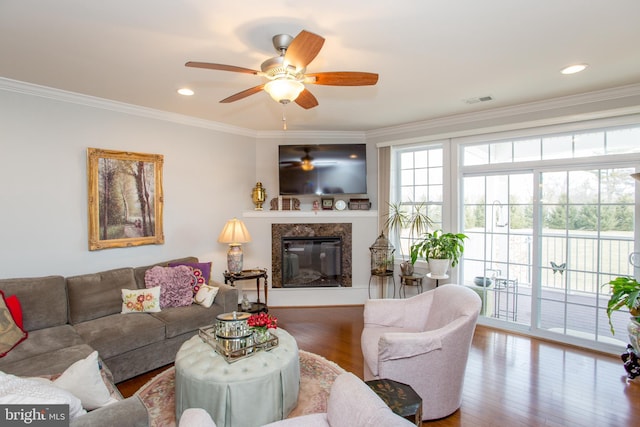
x=125, y=199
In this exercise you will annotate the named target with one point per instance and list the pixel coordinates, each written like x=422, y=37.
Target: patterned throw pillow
x=201, y=273
x=10, y=333
x=174, y=282
x=141, y=300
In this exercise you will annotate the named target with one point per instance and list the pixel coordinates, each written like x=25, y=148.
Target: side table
x=258, y=273
x=400, y=397
x=437, y=278
x=411, y=280
x=382, y=278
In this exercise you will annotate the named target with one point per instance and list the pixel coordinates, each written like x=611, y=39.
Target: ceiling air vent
x=479, y=99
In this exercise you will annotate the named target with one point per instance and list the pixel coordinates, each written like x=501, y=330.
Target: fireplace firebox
x=311, y=255
x=311, y=261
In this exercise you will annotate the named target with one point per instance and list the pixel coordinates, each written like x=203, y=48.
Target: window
x=418, y=178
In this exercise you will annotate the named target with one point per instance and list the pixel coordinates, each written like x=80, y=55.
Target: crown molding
x=298, y=135
x=119, y=107
x=426, y=127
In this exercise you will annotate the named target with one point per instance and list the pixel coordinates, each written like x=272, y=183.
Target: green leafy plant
x=400, y=219
x=439, y=245
x=625, y=292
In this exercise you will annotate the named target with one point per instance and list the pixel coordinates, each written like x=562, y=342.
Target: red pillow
x=13, y=304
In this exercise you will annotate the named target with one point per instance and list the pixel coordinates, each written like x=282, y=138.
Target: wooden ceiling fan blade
x=306, y=100
x=303, y=49
x=342, y=78
x=241, y=95
x=221, y=67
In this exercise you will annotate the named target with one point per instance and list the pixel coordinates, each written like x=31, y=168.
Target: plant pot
x=439, y=267
x=406, y=268
x=633, y=328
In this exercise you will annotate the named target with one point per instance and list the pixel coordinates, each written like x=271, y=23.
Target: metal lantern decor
x=382, y=256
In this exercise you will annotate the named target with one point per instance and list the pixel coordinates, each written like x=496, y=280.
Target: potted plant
x=417, y=223
x=625, y=292
x=440, y=250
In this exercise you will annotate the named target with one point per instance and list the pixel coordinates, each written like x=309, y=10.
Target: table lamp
x=234, y=233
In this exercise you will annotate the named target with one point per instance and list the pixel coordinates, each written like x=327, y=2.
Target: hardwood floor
x=511, y=380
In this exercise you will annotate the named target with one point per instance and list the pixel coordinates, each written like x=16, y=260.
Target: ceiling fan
x=305, y=163
x=286, y=73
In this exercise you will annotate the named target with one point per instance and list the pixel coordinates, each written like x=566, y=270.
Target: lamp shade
x=636, y=176
x=234, y=233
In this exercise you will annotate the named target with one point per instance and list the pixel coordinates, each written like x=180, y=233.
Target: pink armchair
x=422, y=341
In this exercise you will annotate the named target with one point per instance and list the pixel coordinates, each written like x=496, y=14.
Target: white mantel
x=364, y=233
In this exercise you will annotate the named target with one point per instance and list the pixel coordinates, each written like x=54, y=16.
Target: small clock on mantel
x=341, y=205
x=327, y=203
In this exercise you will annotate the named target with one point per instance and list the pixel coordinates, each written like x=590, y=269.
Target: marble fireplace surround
x=342, y=230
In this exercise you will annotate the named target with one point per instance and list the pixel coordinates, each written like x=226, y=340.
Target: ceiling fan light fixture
x=284, y=90
x=306, y=165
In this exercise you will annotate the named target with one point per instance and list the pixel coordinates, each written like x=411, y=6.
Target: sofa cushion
x=12, y=334
x=119, y=333
x=179, y=320
x=42, y=341
x=174, y=282
x=139, y=272
x=39, y=312
x=51, y=362
x=93, y=296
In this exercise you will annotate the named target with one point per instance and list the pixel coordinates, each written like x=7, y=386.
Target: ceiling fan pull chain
x=284, y=118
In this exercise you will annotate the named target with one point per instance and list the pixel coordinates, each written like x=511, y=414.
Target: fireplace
x=311, y=255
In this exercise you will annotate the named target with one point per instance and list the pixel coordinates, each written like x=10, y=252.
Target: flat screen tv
x=323, y=169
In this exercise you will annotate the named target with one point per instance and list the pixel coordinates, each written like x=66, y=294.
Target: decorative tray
x=234, y=349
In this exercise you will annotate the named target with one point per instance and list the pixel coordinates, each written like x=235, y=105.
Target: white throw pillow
x=27, y=391
x=83, y=380
x=205, y=296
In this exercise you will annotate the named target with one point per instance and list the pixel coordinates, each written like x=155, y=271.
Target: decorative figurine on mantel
x=258, y=195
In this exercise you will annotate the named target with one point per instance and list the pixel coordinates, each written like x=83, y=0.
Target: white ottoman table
x=249, y=392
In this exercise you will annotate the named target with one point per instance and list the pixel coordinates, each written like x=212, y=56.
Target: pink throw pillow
x=174, y=282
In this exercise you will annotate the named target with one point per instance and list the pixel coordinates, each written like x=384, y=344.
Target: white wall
x=43, y=197
x=208, y=175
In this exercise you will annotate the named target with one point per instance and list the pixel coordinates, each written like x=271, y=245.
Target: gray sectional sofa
x=68, y=318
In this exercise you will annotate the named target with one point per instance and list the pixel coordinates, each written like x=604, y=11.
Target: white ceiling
x=431, y=55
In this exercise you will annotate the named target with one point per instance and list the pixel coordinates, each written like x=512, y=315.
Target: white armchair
x=422, y=341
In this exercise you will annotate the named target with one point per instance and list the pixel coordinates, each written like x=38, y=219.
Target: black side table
x=401, y=398
x=258, y=273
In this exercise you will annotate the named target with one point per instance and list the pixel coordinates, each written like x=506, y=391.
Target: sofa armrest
x=128, y=412
x=226, y=299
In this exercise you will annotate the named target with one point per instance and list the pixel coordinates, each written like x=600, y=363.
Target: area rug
x=316, y=377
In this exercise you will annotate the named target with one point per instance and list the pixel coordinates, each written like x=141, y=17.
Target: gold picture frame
x=125, y=199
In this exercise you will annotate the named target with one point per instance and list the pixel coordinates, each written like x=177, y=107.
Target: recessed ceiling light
x=185, y=91
x=572, y=69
